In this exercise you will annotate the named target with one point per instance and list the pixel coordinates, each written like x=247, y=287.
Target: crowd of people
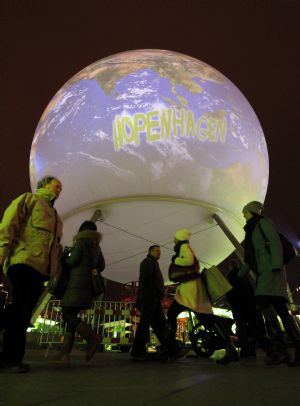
x=30, y=247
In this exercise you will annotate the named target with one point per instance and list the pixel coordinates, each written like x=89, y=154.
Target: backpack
x=288, y=249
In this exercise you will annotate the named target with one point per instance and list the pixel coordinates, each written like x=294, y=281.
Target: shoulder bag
x=58, y=283
x=98, y=284
x=179, y=273
x=215, y=282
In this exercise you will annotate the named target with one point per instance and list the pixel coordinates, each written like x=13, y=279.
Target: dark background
x=255, y=43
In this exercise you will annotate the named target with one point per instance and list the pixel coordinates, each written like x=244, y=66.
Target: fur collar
x=89, y=234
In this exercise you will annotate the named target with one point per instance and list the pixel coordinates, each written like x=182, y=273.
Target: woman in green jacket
x=264, y=256
x=85, y=256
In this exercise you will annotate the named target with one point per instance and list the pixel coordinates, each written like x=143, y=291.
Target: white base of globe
x=130, y=225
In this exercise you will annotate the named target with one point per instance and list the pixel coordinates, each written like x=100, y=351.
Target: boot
x=292, y=329
x=296, y=360
x=63, y=356
x=170, y=348
x=277, y=354
x=92, y=339
x=231, y=353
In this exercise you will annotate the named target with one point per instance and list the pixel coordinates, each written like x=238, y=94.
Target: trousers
x=151, y=315
x=27, y=285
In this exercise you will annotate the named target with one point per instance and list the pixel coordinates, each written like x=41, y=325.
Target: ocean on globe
x=157, y=141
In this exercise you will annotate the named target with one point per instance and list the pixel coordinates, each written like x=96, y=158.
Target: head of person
x=51, y=184
x=182, y=235
x=251, y=209
x=88, y=225
x=154, y=251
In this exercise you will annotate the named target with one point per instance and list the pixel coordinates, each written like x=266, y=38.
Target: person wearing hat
x=264, y=256
x=192, y=295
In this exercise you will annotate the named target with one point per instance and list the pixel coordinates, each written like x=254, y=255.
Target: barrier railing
x=116, y=322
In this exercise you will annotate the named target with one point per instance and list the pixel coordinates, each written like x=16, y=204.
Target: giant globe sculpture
x=157, y=141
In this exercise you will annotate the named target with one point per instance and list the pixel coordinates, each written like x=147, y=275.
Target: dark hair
x=45, y=181
x=88, y=225
x=151, y=248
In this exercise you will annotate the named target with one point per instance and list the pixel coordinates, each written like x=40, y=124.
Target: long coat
x=191, y=294
x=268, y=256
x=86, y=255
x=30, y=232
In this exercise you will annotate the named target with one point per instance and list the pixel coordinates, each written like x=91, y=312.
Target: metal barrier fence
x=115, y=322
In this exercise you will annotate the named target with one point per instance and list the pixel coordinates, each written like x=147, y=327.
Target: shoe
x=181, y=353
x=63, y=356
x=140, y=358
x=172, y=355
x=296, y=360
x=247, y=353
x=277, y=358
x=230, y=356
x=92, y=339
x=7, y=367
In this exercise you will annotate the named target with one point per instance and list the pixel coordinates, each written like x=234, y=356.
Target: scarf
x=177, y=248
x=249, y=248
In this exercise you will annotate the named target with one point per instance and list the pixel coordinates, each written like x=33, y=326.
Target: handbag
x=179, y=273
x=215, y=282
x=58, y=283
x=98, y=284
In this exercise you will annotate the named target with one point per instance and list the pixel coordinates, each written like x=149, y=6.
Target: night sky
x=255, y=43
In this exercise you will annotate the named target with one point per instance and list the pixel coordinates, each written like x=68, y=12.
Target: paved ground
x=113, y=379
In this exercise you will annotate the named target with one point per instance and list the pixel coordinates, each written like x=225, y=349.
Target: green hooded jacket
x=268, y=257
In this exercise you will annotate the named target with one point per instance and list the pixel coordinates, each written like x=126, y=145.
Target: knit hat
x=254, y=207
x=182, y=235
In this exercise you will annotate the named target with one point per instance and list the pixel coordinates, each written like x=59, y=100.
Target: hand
x=276, y=269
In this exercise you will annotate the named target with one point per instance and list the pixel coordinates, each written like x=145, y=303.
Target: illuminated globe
x=157, y=141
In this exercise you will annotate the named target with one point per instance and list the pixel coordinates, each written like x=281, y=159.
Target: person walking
x=264, y=256
x=250, y=326
x=151, y=292
x=86, y=256
x=30, y=233
x=192, y=295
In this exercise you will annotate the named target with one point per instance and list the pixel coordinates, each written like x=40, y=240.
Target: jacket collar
x=46, y=194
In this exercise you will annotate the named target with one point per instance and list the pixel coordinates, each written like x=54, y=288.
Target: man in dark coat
x=150, y=294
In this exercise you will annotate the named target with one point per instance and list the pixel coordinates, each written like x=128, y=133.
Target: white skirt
x=193, y=295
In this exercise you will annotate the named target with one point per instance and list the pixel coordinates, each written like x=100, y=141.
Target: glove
x=276, y=269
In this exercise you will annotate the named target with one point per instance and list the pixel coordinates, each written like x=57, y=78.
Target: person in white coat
x=192, y=295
